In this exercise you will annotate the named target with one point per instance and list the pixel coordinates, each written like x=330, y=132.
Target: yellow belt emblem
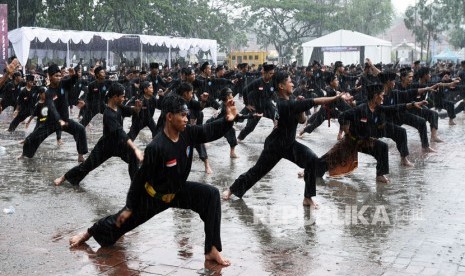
x=167, y=198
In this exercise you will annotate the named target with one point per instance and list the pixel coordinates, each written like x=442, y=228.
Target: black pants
x=33, y=140
x=460, y=107
x=318, y=118
x=6, y=102
x=249, y=127
x=18, y=119
x=137, y=125
x=253, y=122
x=200, y=148
x=270, y=156
x=103, y=150
x=415, y=121
x=429, y=115
x=380, y=151
x=230, y=135
x=88, y=114
x=201, y=198
x=399, y=136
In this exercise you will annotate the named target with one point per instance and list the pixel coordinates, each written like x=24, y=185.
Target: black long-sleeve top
x=147, y=110
x=289, y=111
x=157, y=82
x=26, y=100
x=96, y=91
x=59, y=99
x=260, y=94
x=365, y=124
x=167, y=164
x=113, y=123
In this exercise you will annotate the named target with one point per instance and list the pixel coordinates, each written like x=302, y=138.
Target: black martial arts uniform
x=327, y=111
x=430, y=116
x=58, y=105
x=260, y=95
x=25, y=106
x=366, y=126
x=280, y=144
x=95, y=100
x=112, y=143
x=161, y=183
x=400, y=118
x=144, y=118
x=9, y=94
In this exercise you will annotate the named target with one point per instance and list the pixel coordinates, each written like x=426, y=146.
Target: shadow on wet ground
x=413, y=226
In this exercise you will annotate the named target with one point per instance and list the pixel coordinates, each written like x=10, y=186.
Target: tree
x=426, y=21
x=367, y=16
x=453, y=12
x=285, y=24
x=28, y=12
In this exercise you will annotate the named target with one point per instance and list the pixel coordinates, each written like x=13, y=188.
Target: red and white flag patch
x=171, y=163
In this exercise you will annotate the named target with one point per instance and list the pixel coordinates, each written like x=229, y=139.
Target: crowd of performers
x=369, y=102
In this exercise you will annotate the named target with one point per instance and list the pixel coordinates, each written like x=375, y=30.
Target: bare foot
x=428, y=150
x=79, y=239
x=382, y=179
x=340, y=136
x=214, y=255
x=301, y=174
x=21, y=142
x=208, y=169
x=59, y=142
x=81, y=158
x=310, y=202
x=436, y=139
x=59, y=180
x=405, y=162
x=21, y=157
x=301, y=134
x=233, y=154
x=227, y=194
x=451, y=122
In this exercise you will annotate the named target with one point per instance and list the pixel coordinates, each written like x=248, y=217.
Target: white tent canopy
x=346, y=46
x=21, y=40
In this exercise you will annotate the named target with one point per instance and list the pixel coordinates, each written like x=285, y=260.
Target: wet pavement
x=413, y=226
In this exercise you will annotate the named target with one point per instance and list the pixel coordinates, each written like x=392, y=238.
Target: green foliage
x=28, y=11
x=285, y=24
x=457, y=38
x=426, y=21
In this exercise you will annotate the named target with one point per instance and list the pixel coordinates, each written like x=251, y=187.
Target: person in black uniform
x=367, y=122
x=437, y=98
x=157, y=81
x=95, y=97
x=114, y=142
x=11, y=91
x=58, y=107
x=40, y=109
x=145, y=117
x=431, y=116
x=25, y=104
x=161, y=182
x=9, y=71
x=227, y=94
x=260, y=96
x=281, y=143
x=327, y=111
x=394, y=97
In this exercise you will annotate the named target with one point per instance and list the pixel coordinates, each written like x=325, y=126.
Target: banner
x=3, y=36
x=341, y=49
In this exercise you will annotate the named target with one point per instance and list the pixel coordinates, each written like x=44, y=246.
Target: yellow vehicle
x=250, y=57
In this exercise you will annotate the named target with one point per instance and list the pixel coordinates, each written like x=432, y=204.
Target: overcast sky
x=401, y=5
